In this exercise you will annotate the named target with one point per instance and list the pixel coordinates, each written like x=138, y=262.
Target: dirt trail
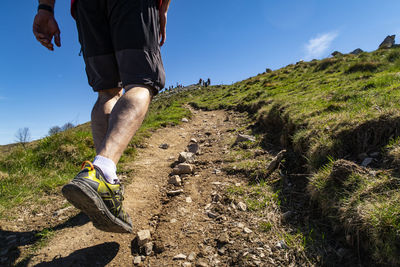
x=83, y=245
x=199, y=223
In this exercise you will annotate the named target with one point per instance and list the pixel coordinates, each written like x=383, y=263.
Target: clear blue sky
x=226, y=40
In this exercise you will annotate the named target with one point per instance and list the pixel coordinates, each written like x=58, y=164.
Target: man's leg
x=101, y=114
x=126, y=117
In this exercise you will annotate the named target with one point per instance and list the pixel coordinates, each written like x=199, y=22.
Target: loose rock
x=174, y=192
x=241, y=206
x=143, y=237
x=192, y=256
x=175, y=180
x=186, y=264
x=201, y=264
x=212, y=215
x=183, y=168
x=366, y=162
x=247, y=230
x=243, y=138
x=180, y=257
x=164, y=146
x=188, y=200
x=137, y=260
x=185, y=120
x=186, y=157
x=148, y=248
x=194, y=148
x=281, y=245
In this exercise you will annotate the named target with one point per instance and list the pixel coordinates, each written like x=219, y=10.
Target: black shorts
x=120, y=43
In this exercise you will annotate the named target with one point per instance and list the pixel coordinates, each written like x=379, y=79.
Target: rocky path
x=190, y=222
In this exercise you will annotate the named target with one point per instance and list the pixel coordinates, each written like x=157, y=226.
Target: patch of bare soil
x=196, y=223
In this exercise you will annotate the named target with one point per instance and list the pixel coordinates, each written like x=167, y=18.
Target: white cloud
x=318, y=46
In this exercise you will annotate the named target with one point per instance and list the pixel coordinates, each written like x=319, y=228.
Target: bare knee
x=107, y=99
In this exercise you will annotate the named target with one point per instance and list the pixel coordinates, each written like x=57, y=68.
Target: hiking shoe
x=101, y=201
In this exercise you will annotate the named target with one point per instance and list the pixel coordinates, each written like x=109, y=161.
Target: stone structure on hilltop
x=336, y=53
x=357, y=51
x=389, y=42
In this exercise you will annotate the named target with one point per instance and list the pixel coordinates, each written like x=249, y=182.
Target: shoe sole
x=86, y=199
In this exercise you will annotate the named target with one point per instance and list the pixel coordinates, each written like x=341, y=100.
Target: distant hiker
x=120, y=41
x=208, y=82
x=200, y=81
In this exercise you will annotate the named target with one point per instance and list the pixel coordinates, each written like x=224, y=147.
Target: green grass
x=333, y=108
x=28, y=175
x=366, y=205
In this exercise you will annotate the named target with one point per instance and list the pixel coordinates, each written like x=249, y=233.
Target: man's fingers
x=57, y=39
x=163, y=37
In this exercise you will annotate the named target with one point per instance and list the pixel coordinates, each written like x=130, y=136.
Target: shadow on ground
x=10, y=241
x=99, y=255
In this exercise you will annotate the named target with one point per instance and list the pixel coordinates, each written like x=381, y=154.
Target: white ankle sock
x=107, y=166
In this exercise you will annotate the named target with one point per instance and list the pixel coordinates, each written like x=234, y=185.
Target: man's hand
x=163, y=21
x=45, y=27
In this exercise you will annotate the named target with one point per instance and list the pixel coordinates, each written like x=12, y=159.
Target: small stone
x=241, y=206
x=185, y=120
x=193, y=140
x=194, y=148
x=201, y=264
x=240, y=225
x=247, y=230
x=216, y=171
x=180, y=257
x=186, y=157
x=174, y=192
x=175, y=180
x=221, y=251
x=216, y=183
x=164, y=146
x=366, y=162
x=143, y=257
x=216, y=197
x=212, y=215
x=188, y=200
x=61, y=211
x=173, y=221
x=192, y=256
x=233, y=206
x=281, y=245
x=20, y=220
x=237, y=184
x=243, y=138
x=223, y=238
x=148, y=248
x=39, y=214
x=143, y=237
x=186, y=264
x=183, y=168
x=137, y=260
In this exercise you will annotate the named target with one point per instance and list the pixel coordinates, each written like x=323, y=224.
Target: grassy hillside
x=335, y=114
x=331, y=115
x=27, y=175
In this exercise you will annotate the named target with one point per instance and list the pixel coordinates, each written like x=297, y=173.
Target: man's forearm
x=48, y=2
